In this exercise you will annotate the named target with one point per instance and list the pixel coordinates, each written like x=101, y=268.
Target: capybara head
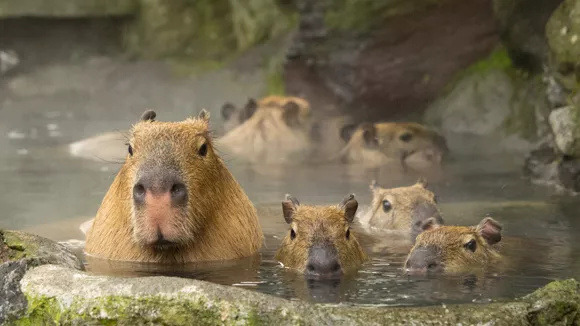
x=394, y=140
x=403, y=208
x=174, y=199
x=320, y=242
x=295, y=111
x=455, y=249
x=167, y=168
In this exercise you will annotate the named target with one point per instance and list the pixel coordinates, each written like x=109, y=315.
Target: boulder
x=67, y=8
x=19, y=252
x=564, y=126
x=61, y=295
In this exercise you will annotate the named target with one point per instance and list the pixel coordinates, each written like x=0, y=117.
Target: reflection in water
x=49, y=193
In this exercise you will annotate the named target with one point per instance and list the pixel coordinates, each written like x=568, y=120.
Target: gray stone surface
x=20, y=251
x=564, y=127
x=67, y=8
x=60, y=295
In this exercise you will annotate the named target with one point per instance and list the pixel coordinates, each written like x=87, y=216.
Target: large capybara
x=320, y=242
x=173, y=200
x=106, y=147
x=403, y=209
x=455, y=249
x=375, y=144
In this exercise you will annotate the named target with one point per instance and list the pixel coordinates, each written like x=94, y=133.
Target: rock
x=478, y=104
x=67, y=8
x=19, y=252
x=522, y=29
x=564, y=127
x=203, y=30
x=60, y=295
x=563, y=33
x=385, y=59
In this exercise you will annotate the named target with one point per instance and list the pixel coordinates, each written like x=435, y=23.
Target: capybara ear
x=349, y=205
x=346, y=132
x=248, y=110
x=291, y=114
x=148, y=115
x=203, y=115
x=422, y=182
x=490, y=230
x=370, y=134
x=227, y=110
x=289, y=205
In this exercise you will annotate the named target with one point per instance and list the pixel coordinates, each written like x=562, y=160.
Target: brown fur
x=312, y=224
x=450, y=244
x=408, y=206
x=265, y=138
x=219, y=222
x=380, y=143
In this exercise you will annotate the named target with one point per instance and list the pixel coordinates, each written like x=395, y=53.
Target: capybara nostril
x=178, y=193
x=323, y=261
x=139, y=193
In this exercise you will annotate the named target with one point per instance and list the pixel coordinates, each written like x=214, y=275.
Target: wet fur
x=383, y=143
x=313, y=223
x=450, y=241
x=219, y=221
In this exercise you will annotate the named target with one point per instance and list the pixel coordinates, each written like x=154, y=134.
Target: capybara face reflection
x=174, y=200
x=320, y=242
x=376, y=143
x=403, y=209
x=455, y=249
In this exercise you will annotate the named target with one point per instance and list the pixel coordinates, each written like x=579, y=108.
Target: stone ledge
x=60, y=295
x=67, y=8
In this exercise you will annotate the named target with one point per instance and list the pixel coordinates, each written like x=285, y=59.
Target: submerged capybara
x=270, y=135
x=455, y=249
x=234, y=116
x=404, y=209
x=106, y=147
x=320, y=242
x=375, y=144
x=174, y=200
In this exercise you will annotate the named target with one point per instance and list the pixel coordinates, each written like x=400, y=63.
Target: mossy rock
x=205, y=30
x=67, y=8
x=563, y=35
x=19, y=252
x=60, y=295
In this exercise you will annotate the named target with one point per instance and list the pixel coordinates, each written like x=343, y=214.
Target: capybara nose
x=424, y=259
x=323, y=261
x=165, y=184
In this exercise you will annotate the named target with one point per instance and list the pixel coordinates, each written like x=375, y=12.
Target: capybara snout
x=425, y=260
x=323, y=261
x=153, y=185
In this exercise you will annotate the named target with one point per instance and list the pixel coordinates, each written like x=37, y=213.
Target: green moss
x=18, y=247
x=364, y=15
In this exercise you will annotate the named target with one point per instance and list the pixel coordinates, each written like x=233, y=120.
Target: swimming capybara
x=270, y=135
x=320, y=242
x=455, y=249
x=403, y=209
x=174, y=200
x=375, y=144
x=234, y=116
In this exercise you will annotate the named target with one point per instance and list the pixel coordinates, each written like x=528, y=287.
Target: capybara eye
x=347, y=233
x=386, y=205
x=471, y=245
x=203, y=150
x=407, y=136
x=292, y=234
x=130, y=150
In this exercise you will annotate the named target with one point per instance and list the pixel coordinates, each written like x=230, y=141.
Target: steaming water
x=47, y=192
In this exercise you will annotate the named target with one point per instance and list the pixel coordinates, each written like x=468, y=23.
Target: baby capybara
x=455, y=249
x=320, y=242
x=378, y=143
x=403, y=209
x=174, y=200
